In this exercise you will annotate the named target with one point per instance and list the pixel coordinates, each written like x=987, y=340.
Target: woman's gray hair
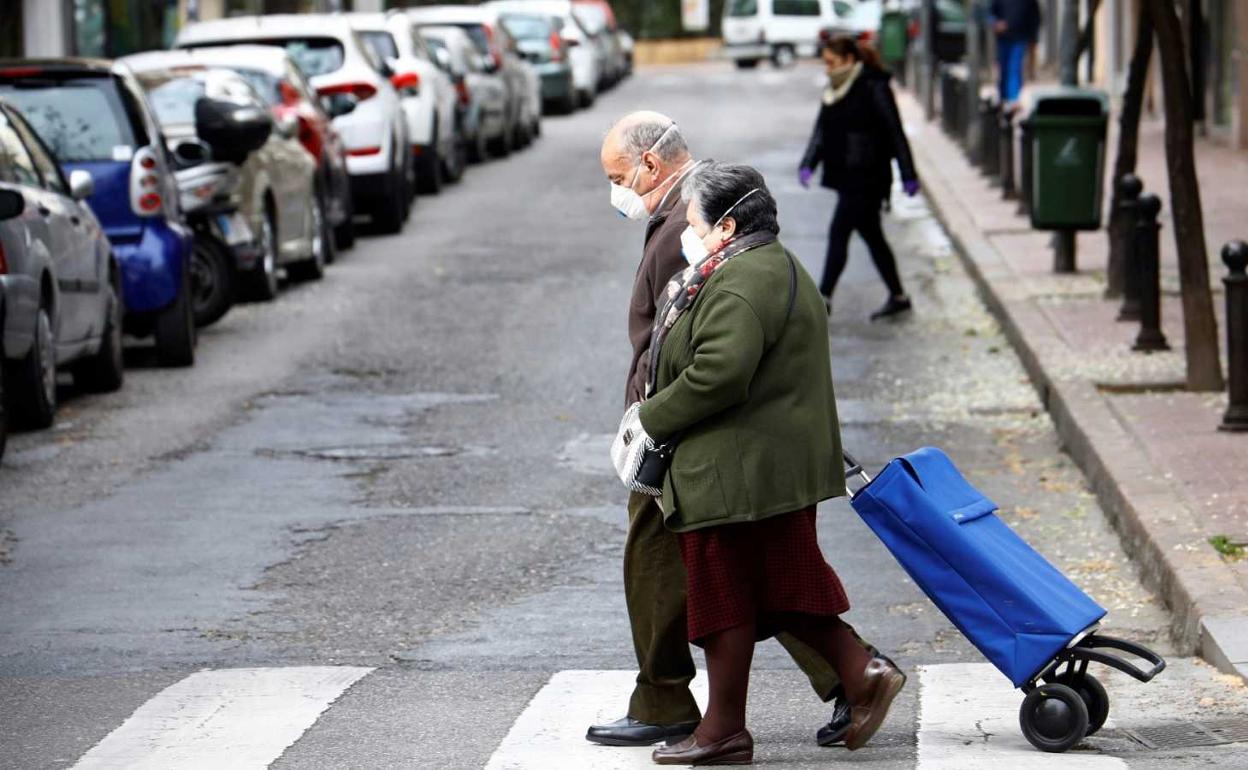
x=715, y=187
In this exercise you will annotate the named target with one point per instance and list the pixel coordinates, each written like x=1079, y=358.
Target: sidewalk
x=1150, y=450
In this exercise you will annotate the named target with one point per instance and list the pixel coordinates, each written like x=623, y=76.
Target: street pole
x=974, y=58
x=1064, y=240
x=928, y=20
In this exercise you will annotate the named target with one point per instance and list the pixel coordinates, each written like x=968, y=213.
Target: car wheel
x=564, y=105
x=344, y=233
x=261, y=280
x=783, y=57
x=587, y=98
x=212, y=280
x=32, y=381
x=175, y=329
x=313, y=268
x=479, y=148
x=105, y=371
x=390, y=208
x=502, y=145
x=458, y=161
x=429, y=171
x=747, y=64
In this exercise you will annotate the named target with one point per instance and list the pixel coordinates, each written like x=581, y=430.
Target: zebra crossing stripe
x=236, y=718
x=550, y=733
x=968, y=720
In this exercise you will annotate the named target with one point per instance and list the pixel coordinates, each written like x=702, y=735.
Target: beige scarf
x=840, y=81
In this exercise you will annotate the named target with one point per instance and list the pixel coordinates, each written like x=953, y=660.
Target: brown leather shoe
x=884, y=681
x=734, y=750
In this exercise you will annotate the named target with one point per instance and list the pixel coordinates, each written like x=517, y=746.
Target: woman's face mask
x=696, y=248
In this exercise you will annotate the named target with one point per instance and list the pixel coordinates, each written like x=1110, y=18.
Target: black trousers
x=858, y=212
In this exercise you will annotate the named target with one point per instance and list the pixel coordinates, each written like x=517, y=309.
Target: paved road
x=374, y=527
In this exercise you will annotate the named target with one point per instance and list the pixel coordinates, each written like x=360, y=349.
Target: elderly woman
x=743, y=384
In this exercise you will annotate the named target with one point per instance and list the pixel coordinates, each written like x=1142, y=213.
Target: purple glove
x=804, y=175
x=911, y=186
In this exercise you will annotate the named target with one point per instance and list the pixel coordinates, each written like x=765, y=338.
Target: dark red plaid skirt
x=763, y=571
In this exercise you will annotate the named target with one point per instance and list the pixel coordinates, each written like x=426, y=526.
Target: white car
x=356, y=89
x=780, y=30
x=483, y=95
x=584, y=54
x=426, y=92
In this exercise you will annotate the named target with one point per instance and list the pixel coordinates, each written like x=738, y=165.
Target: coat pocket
x=699, y=492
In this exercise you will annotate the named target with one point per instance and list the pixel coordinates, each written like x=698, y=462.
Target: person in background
x=1016, y=24
x=857, y=135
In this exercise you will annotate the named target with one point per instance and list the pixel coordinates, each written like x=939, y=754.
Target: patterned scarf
x=683, y=289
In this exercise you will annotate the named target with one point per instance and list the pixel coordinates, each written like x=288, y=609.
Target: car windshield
x=80, y=119
x=742, y=8
x=174, y=100
x=314, y=55
x=592, y=17
x=527, y=27
x=268, y=86
x=381, y=44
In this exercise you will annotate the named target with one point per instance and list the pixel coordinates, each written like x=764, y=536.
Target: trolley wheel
x=1053, y=718
x=1093, y=694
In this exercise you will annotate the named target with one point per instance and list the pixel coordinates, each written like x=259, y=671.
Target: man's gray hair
x=715, y=187
x=642, y=136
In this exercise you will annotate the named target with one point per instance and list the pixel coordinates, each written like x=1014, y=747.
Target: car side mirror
x=81, y=184
x=233, y=131
x=12, y=204
x=338, y=104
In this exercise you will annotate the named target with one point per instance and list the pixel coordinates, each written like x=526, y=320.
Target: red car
x=272, y=72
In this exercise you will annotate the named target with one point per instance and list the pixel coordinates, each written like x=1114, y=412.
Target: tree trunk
x=1128, y=147
x=1200, y=327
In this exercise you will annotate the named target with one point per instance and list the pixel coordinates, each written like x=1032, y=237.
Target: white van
x=780, y=30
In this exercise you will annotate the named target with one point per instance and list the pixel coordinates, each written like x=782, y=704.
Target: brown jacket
x=660, y=260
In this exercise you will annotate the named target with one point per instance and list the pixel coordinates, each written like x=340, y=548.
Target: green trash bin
x=1067, y=138
x=894, y=36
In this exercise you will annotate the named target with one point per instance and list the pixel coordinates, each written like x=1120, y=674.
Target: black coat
x=857, y=138
x=1022, y=19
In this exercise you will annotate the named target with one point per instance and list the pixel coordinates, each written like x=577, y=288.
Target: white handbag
x=639, y=462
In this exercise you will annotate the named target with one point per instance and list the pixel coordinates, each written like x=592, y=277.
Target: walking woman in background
x=857, y=136
x=743, y=378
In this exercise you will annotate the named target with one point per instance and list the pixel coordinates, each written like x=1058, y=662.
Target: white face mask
x=627, y=201
x=692, y=247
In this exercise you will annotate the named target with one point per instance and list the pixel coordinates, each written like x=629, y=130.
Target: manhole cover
x=380, y=452
x=1190, y=734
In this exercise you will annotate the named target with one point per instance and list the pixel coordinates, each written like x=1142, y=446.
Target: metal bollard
x=989, y=153
x=947, y=99
x=1025, y=175
x=1148, y=258
x=1005, y=154
x=1129, y=189
x=1235, y=255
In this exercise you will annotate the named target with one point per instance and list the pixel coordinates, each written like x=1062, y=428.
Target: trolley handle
x=854, y=468
x=1087, y=649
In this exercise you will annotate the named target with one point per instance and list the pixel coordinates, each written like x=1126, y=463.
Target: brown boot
x=883, y=681
x=734, y=750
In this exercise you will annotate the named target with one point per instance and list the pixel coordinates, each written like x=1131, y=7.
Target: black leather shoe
x=892, y=307
x=833, y=733
x=630, y=732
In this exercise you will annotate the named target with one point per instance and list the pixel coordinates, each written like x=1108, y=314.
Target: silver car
x=60, y=290
x=482, y=94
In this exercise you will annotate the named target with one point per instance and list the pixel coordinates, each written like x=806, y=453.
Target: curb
x=1153, y=521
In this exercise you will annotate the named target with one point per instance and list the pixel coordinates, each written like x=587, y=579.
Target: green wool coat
x=750, y=394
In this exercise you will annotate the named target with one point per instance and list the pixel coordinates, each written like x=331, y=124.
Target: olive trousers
x=654, y=589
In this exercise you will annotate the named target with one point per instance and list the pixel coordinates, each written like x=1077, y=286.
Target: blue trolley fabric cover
x=1002, y=595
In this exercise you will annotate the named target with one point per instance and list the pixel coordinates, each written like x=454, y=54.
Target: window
x=796, y=7
x=742, y=8
x=14, y=160
x=842, y=8
x=314, y=55
x=43, y=161
x=173, y=99
x=527, y=27
x=79, y=119
x=381, y=44
x=265, y=84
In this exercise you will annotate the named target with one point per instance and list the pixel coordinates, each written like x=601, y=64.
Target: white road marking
x=968, y=720
x=550, y=732
x=236, y=718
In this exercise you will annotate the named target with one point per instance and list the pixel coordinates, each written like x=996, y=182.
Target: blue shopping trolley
x=1024, y=615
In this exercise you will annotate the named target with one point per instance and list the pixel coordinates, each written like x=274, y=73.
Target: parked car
x=501, y=56
x=482, y=94
x=861, y=21
x=627, y=44
x=539, y=42
x=950, y=29
x=94, y=117
x=598, y=19
x=276, y=189
x=357, y=92
x=427, y=94
x=283, y=86
x=584, y=54
x=780, y=30
x=60, y=287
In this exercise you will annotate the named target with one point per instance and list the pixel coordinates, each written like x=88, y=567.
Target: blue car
x=94, y=116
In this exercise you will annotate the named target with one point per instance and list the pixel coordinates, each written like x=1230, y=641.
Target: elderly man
x=645, y=157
